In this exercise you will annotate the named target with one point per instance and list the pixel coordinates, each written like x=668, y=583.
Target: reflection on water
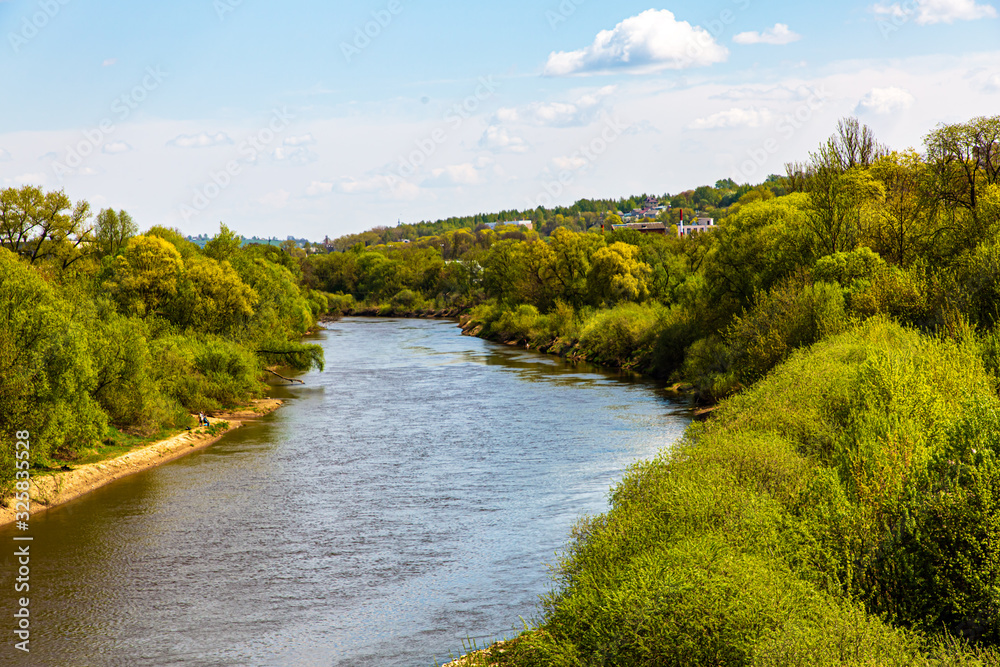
x=405, y=499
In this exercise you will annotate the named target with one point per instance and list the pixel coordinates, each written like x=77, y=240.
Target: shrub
x=623, y=336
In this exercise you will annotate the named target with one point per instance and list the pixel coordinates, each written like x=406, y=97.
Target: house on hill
x=698, y=226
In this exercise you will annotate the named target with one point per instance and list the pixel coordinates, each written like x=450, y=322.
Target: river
x=405, y=500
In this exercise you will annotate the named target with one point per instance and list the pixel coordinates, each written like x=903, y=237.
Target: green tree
x=38, y=225
x=964, y=159
x=617, y=274
x=224, y=245
x=113, y=230
x=47, y=373
x=145, y=277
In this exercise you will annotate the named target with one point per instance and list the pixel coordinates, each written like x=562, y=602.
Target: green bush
x=622, y=336
x=207, y=374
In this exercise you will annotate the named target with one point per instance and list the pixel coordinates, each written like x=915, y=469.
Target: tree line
x=106, y=333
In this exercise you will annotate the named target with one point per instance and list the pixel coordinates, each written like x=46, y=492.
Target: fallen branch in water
x=283, y=377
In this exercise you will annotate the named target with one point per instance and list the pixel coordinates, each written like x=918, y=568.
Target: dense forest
x=838, y=506
x=108, y=336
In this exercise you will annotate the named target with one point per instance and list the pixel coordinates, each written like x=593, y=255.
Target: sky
x=313, y=119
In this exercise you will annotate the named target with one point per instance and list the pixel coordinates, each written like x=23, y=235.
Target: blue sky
x=288, y=119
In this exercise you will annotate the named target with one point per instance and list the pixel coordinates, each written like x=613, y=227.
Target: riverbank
x=48, y=491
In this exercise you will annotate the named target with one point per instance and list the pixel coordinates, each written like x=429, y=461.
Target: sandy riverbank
x=51, y=490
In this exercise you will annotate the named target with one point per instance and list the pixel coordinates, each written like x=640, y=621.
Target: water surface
x=405, y=499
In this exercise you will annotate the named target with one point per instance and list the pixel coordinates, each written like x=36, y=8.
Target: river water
x=405, y=500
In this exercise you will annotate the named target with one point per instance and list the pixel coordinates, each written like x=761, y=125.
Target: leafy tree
x=224, y=245
x=38, y=225
x=843, y=209
x=113, y=230
x=212, y=298
x=145, y=277
x=46, y=371
x=907, y=218
x=964, y=159
x=617, y=274
x=757, y=246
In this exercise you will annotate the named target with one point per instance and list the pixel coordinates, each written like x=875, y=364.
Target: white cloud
x=116, y=147
x=570, y=163
x=498, y=139
x=378, y=183
x=778, y=35
x=109, y=62
x=202, y=140
x=300, y=155
x=5, y=156
x=735, y=117
x=319, y=188
x=929, y=12
x=992, y=85
x=558, y=114
x=277, y=199
x=304, y=140
x=652, y=41
x=886, y=100
x=456, y=174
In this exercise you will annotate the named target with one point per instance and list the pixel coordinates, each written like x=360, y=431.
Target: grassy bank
x=840, y=512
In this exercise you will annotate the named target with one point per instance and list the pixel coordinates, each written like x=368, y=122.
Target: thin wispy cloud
x=735, y=117
x=779, y=35
x=580, y=112
x=652, y=41
x=201, y=140
x=929, y=12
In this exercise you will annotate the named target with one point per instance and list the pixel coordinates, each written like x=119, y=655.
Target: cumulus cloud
x=202, y=140
x=735, y=117
x=929, y=12
x=652, y=41
x=5, y=156
x=319, y=188
x=778, y=35
x=885, y=100
x=992, y=85
x=116, y=147
x=499, y=140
